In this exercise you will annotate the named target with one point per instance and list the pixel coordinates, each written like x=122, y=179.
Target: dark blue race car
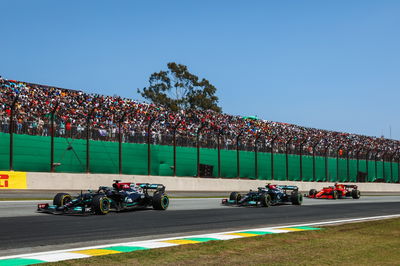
x=119, y=197
x=266, y=196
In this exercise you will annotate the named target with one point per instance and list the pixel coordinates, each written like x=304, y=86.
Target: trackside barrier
x=33, y=153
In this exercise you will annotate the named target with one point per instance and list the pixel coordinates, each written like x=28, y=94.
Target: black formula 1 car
x=266, y=196
x=119, y=197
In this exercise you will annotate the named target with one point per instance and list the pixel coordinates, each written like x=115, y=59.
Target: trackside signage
x=12, y=180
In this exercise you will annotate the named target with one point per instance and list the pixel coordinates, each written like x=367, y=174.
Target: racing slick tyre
x=265, y=200
x=296, y=198
x=101, y=204
x=312, y=192
x=60, y=199
x=355, y=194
x=335, y=194
x=160, y=201
x=235, y=196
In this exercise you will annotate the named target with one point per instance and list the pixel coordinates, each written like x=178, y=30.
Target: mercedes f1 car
x=119, y=197
x=266, y=196
x=337, y=191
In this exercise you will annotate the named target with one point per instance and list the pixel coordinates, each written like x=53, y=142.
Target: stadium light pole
x=53, y=112
x=238, y=154
x=151, y=121
x=272, y=158
x=301, y=158
x=337, y=162
x=11, y=130
x=287, y=156
x=120, y=121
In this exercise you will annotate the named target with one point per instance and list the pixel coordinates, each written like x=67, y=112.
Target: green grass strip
x=19, y=262
x=124, y=248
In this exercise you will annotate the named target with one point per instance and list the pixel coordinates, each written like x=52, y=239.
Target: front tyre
x=235, y=196
x=160, y=201
x=296, y=198
x=60, y=199
x=312, y=192
x=101, y=204
x=265, y=200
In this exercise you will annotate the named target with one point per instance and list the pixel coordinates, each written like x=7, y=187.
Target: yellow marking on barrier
x=96, y=252
x=242, y=234
x=12, y=180
x=290, y=229
x=180, y=241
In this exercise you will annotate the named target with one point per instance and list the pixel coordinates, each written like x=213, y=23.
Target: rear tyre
x=312, y=192
x=296, y=198
x=101, y=204
x=265, y=200
x=160, y=201
x=235, y=196
x=335, y=194
x=355, y=194
x=60, y=199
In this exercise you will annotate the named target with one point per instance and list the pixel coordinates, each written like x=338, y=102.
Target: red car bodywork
x=335, y=192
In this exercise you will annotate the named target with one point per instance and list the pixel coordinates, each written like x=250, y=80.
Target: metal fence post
x=198, y=149
x=348, y=164
x=383, y=166
x=120, y=121
x=314, y=166
x=151, y=121
x=366, y=165
x=52, y=168
x=174, y=148
x=326, y=163
x=337, y=162
x=219, y=152
x=301, y=159
x=256, y=156
x=238, y=154
x=90, y=114
x=376, y=164
x=11, y=130
x=287, y=156
x=272, y=158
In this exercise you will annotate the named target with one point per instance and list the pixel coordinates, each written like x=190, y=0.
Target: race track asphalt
x=42, y=232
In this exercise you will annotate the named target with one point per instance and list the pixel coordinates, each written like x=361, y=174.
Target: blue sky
x=326, y=64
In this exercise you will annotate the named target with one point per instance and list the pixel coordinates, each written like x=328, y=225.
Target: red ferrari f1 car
x=336, y=191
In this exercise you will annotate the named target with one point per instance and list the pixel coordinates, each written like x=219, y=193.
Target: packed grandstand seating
x=35, y=103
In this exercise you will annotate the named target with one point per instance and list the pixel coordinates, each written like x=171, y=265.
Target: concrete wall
x=66, y=181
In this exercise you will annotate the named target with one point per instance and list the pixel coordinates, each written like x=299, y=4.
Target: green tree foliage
x=178, y=89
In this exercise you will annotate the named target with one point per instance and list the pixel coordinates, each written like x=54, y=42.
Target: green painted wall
x=32, y=153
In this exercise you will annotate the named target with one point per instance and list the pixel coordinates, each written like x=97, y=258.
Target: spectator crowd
x=74, y=111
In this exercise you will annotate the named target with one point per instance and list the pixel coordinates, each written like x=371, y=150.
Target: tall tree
x=177, y=89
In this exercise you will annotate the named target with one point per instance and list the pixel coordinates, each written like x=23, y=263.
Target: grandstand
x=43, y=128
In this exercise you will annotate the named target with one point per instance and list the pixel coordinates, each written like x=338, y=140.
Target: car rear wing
x=351, y=186
x=288, y=187
x=157, y=187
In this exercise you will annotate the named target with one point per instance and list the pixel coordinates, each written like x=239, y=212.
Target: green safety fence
x=32, y=154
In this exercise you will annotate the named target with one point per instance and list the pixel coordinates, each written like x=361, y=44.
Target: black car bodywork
x=266, y=196
x=119, y=197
